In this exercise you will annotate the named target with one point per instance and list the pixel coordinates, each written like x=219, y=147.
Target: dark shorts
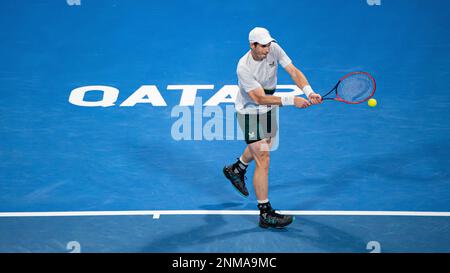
x=256, y=127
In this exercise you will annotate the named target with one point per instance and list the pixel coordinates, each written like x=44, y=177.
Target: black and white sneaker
x=237, y=178
x=269, y=218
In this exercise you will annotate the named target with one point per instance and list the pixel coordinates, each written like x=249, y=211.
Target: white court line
x=158, y=213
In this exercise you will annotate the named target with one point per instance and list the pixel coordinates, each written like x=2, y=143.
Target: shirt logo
x=272, y=64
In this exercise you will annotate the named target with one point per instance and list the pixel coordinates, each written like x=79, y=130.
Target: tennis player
x=255, y=107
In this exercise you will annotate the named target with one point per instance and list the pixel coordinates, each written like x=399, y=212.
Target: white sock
x=242, y=160
x=263, y=201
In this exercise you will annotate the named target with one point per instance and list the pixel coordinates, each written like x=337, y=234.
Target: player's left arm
x=300, y=80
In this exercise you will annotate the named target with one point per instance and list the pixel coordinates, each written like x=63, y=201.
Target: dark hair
x=256, y=44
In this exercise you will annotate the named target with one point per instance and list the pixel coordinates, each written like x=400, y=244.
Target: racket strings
x=356, y=88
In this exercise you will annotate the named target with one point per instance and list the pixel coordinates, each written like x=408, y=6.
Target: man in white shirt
x=257, y=80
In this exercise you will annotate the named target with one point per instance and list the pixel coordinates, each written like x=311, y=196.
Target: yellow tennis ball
x=372, y=102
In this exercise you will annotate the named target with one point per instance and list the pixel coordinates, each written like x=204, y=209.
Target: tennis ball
x=372, y=102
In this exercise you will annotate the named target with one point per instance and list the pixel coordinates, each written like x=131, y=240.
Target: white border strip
x=158, y=213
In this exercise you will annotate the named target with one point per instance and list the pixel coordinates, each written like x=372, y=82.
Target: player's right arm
x=259, y=97
x=257, y=94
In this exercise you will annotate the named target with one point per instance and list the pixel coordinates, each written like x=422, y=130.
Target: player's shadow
x=214, y=233
x=222, y=206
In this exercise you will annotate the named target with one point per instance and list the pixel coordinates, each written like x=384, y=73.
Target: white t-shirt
x=254, y=74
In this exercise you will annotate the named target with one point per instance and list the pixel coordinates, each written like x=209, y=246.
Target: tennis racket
x=353, y=88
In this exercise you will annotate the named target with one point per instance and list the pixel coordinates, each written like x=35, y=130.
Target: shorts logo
x=252, y=134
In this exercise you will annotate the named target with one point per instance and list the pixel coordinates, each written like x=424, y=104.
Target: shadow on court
x=237, y=233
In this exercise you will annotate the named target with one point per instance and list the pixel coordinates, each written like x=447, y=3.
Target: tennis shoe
x=237, y=178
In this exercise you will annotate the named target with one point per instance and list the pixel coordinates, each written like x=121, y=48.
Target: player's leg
x=236, y=172
x=268, y=217
x=253, y=131
x=244, y=160
x=246, y=156
x=261, y=155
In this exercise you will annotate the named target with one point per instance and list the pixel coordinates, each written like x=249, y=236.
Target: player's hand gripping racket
x=353, y=88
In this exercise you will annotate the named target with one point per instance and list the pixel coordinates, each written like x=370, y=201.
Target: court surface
x=109, y=172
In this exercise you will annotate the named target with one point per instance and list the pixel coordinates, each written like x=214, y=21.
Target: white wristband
x=288, y=100
x=307, y=90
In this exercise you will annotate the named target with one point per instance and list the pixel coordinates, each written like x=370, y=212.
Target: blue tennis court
x=117, y=117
